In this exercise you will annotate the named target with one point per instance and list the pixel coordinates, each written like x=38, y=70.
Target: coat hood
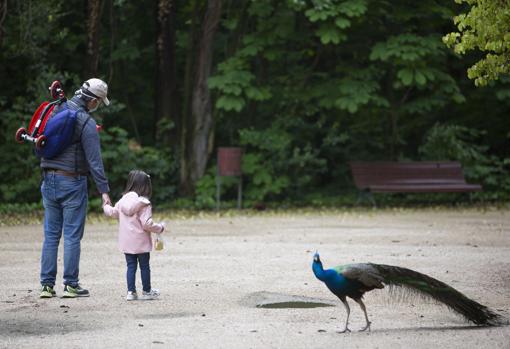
x=131, y=203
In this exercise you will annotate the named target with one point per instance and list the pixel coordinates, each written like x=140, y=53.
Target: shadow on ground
x=39, y=327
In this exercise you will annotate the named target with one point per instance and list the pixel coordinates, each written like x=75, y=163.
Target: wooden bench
x=409, y=177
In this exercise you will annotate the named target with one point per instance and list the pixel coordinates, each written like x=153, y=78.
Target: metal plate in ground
x=271, y=300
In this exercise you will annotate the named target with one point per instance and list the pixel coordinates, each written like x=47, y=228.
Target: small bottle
x=158, y=244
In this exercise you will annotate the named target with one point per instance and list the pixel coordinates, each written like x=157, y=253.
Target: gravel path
x=217, y=272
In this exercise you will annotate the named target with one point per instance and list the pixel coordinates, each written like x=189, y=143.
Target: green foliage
x=34, y=27
x=485, y=27
x=121, y=155
x=361, y=88
x=410, y=56
x=406, y=48
x=264, y=181
x=21, y=213
x=453, y=142
x=334, y=16
x=350, y=93
x=409, y=53
x=304, y=86
x=21, y=175
x=234, y=81
x=205, y=193
x=275, y=165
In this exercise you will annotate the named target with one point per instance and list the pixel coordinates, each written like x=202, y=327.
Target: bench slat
x=412, y=176
x=447, y=188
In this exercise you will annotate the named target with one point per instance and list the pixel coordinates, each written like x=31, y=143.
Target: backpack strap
x=78, y=142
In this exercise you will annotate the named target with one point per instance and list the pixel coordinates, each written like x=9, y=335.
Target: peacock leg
x=362, y=306
x=348, y=309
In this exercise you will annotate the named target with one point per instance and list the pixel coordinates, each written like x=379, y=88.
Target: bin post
x=229, y=164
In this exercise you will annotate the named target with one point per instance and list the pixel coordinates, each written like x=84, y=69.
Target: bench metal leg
x=240, y=193
x=218, y=192
x=366, y=195
x=472, y=198
x=371, y=199
x=360, y=198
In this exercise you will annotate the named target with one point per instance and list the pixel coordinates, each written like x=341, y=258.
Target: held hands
x=106, y=199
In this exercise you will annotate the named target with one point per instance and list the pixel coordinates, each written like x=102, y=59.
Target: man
x=65, y=194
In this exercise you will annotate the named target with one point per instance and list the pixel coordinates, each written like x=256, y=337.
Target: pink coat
x=135, y=223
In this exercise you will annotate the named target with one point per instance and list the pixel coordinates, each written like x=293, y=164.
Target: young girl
x=134, y=213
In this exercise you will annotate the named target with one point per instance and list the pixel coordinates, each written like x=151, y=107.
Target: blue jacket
x=83, y=155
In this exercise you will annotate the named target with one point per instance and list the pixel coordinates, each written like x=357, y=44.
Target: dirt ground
x=217, y=269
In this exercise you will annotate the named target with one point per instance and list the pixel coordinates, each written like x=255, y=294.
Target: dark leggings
x=132, y=260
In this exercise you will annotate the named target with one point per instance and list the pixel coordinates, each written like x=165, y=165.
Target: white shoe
x=131, y=296
x=152, y=294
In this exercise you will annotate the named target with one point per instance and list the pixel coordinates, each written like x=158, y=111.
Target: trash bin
x=229, y=161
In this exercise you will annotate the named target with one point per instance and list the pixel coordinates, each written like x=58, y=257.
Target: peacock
x=353, y=280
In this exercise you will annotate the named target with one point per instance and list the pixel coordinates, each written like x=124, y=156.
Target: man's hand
x=106, y=199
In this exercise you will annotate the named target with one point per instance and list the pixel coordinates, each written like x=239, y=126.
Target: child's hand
x=110, y=211
x=163, y=225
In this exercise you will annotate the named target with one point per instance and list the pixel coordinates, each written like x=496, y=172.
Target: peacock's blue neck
x=320, y=273
x=333, y=280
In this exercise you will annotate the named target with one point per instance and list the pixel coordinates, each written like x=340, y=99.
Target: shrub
x=459, y=143
x=121, y=155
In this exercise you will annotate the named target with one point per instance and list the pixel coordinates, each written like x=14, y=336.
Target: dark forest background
x=303, y=86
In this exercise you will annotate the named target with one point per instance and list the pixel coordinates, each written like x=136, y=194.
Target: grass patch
x=24, y=214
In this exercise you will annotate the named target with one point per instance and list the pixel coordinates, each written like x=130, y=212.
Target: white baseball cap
x=96, y=88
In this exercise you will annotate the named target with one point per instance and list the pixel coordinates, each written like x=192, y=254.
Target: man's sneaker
x=152, y=294
x=47, y=292
x=131, y=296
x=73, y=292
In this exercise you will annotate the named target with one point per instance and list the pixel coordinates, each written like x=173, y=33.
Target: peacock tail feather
x=429, y=287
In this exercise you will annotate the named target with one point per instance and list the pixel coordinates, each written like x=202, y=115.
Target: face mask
x=95, y=108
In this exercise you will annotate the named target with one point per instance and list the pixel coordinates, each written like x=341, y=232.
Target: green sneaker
x=47, y=292
x=73, y=292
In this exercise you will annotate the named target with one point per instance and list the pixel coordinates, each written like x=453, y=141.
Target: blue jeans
x=145, y=270
x=65, y=207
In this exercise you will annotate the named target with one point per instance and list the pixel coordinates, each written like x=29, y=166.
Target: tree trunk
x=166, y=84
x=185, y=123
x=199, y=123
x=93, y=25
x=3, y=15
x=113, y=32
x=190, y=62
